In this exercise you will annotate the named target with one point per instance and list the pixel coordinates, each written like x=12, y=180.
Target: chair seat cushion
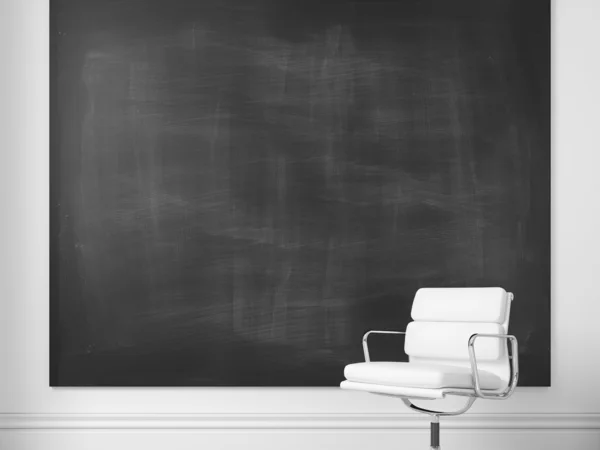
x=419, y=375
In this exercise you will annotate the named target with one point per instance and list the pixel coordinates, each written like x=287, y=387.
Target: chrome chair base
x=435, y=418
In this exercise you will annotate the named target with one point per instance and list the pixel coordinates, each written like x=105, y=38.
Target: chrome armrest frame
x=366, y=337
x=514, y=366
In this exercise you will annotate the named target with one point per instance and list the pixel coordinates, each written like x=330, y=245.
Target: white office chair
x=457, y=345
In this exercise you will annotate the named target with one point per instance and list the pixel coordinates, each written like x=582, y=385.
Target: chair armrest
x=366, y=337
x=514, y=366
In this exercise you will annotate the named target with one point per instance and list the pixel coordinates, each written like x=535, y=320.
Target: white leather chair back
x=445, y=318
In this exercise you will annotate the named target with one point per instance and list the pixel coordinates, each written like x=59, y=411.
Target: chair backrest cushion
x=448, y=340
x=460, y=305
x=445, y=319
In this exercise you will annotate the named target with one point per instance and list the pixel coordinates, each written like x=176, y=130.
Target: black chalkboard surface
x=241, y=188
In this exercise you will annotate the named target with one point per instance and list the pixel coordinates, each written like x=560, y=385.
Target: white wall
x=34, y=416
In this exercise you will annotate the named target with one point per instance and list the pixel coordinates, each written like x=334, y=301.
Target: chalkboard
x=241, y=188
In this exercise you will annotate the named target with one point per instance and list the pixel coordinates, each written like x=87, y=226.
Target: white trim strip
x=293, y=421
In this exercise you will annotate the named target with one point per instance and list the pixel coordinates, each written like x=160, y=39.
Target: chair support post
x=435, y=418
x=435, y=432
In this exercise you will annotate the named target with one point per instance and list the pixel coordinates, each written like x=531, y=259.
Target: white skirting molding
x=549, y=421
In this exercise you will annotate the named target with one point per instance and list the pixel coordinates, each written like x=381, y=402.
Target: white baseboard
x=295, y=431
x=548, y=421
